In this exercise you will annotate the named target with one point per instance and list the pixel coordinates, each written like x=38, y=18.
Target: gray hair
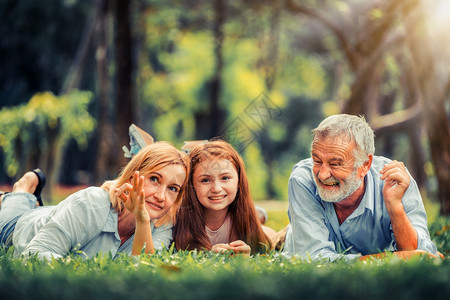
x=354, y=127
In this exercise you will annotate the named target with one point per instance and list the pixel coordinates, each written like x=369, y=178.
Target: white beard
x=345, y=189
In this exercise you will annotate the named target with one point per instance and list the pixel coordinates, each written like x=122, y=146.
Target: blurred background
x=75, y=74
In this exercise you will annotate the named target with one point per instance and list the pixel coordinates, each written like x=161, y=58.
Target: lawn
x=200, y=275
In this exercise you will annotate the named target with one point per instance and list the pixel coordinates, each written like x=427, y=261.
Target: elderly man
x=344, y=202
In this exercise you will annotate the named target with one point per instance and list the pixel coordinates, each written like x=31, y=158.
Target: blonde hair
x=150, y=159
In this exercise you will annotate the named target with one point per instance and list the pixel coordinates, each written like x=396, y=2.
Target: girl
x=217, y=211
x=104, y=219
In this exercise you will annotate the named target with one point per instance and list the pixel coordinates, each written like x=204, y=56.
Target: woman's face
x=161, y=189
x=216, y=184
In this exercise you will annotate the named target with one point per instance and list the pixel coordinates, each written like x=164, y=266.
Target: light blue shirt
x=84, y=221
x=314, y=230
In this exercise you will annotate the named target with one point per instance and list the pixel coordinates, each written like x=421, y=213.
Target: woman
x=100, y=219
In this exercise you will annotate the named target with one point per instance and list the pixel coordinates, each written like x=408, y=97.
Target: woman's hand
x=133, y=197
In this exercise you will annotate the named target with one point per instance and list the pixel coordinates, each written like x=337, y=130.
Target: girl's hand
x=219, y=248
x=239, y=247
x=134, y=198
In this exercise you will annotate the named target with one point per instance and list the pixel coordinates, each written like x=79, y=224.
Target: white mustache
x=330, y=181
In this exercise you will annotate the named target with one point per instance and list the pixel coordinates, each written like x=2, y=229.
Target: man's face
x=334, y=168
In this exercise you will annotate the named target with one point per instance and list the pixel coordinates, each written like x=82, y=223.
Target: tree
x=366, y=51
x=433, y=93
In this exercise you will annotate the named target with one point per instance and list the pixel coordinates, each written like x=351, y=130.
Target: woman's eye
x=154, y=179
x=173, y=189
x=204, y=180
x=226, y=178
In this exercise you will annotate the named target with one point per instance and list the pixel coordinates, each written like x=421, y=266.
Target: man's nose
x=324, y=172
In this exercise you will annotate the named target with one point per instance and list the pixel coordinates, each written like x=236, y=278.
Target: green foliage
x=205, y=275
x=440, y=231
x=24, y=128
x=200, y=275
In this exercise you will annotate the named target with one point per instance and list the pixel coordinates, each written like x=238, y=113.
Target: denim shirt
x=85, y=223
x=314, y=230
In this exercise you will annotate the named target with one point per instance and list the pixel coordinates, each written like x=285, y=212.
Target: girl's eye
x=204, y=180
x=154, y=179
x=226, y=178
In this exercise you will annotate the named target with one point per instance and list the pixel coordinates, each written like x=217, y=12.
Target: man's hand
x=396, y=182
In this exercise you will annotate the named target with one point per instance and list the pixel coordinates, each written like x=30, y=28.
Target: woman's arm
x=134, y=199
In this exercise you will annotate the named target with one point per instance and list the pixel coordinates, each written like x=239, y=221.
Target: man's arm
x=405, y=208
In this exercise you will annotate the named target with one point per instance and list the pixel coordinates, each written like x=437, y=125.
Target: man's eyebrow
x=336, y=159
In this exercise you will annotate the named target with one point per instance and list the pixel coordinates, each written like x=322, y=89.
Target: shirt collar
x=366, y=201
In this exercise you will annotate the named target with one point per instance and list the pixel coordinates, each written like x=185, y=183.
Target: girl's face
x=161, y=189
x=216, y=184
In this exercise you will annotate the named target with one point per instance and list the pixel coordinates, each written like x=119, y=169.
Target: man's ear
x=364, y=169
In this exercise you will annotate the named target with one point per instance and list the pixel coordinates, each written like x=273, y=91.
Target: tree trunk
x=417, y=157
x=104, y=129
x=432, y=97
x=216, y=115
x=125, y=94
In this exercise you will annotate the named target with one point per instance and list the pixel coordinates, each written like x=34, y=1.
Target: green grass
x=200, y=275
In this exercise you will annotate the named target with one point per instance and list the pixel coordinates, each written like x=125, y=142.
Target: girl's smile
x=216, y=183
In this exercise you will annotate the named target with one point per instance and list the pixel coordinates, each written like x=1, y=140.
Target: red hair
x=189, y=231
